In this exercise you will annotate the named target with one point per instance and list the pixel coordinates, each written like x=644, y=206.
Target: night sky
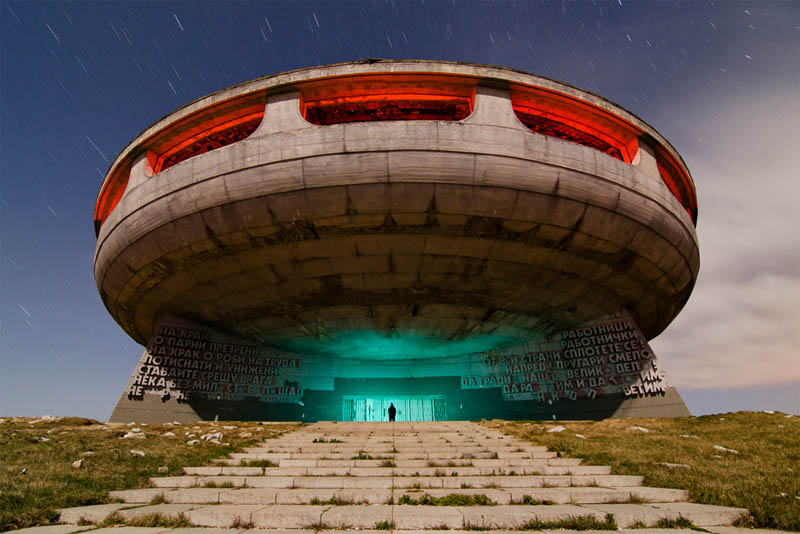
x=720, y=80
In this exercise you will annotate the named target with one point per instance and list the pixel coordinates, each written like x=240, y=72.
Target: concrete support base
x=596, y=371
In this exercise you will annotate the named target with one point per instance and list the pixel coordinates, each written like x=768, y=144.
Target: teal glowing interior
x=372, y=345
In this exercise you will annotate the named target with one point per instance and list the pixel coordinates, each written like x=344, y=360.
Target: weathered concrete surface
x=355, y=226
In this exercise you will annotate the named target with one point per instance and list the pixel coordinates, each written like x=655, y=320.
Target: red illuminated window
x=387, y=97
x=214, y=127
x=543, y=125
x=677, y=182
x=564, y=117
x=216, y=137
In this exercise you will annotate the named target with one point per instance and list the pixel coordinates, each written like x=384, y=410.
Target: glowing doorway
x=431, y=408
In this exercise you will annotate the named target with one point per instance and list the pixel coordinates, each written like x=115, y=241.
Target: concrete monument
x=460, y=241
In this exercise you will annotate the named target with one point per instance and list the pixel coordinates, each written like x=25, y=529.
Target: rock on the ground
x=725, y=449
x=135, y=452
x=77, y=464
x=638, y=428
x=675, y=466
x=193, y=442
x=163, y=469
x=169, y=434
x=556, y=429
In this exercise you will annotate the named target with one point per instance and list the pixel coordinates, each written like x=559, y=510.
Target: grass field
x=763, y=475
x=46, y=451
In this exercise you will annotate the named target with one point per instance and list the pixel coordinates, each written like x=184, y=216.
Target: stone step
x=375, y=482
x=585, y=495
x=399, y=471
x=439, y=462
x=456, y=450
x=316, y=486
x=394, y=455
x=407, y=517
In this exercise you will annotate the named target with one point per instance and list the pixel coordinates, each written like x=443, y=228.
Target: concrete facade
x=318, y=240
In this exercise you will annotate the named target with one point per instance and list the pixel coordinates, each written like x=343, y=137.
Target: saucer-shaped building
x=319, y=243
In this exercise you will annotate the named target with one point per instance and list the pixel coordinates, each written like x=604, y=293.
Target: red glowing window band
x=387, y=97
x=564, y=117
x=213, y=127
x=545, y=126
x=208, y=140
x=677, y=183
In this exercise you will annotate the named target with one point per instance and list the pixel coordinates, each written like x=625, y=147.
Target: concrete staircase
x=389, y=476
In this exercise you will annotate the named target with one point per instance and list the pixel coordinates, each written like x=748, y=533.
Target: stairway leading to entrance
x=404, y=476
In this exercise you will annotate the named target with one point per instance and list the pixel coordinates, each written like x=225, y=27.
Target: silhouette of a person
x=392, y=411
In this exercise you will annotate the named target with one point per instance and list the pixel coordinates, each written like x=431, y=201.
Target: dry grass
x=763, y=477
x=50, y=482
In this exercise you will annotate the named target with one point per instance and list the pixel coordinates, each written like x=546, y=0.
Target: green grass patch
x=583, y=522
x=335, y=501
x=50, y=482
x=762, y=477
x=454, y=499
x=257, y=463
x=384, y=525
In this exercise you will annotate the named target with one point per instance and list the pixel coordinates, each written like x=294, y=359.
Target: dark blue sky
x=719, y=80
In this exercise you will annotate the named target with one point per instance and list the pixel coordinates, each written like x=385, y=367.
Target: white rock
x=230, y=427
x=689, y=436
x=581, y=436
x=259, y=429
x=639, y=429
x=245, y=435
x=42, y=439
x=49, y=418
x=176, y=423
x=134, y=435
x=771, y=412
x=190, y=436
x=163, y=469
x=556, y=429
x=136, y=453
x=169, y=434
x=193, y=442
x=780, y=426
x=675, y=466
x=78, y=464
x=725, y=449
x=131, y=424
x=88, y=453
x=215, y=441
x=136, y=429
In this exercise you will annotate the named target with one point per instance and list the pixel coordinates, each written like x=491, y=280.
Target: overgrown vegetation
x=453, y=499
x=762, y=475
x=257, y=463
x=36, y=458
x=583, y=522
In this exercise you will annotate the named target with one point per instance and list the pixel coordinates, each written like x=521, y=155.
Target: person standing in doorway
x=392, y=411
